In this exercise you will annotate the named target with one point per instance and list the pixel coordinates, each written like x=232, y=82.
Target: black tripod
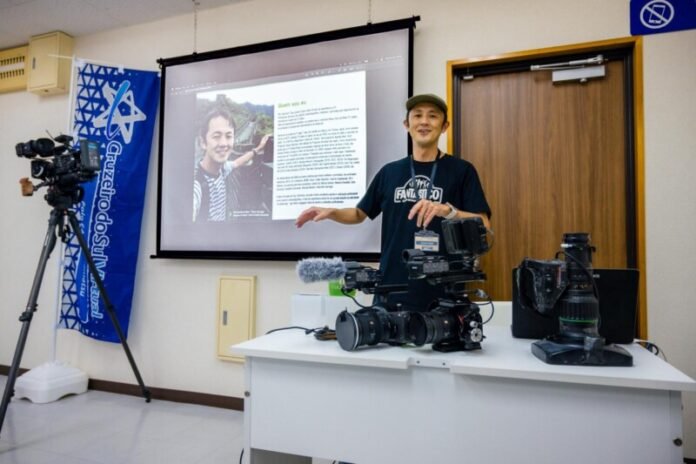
x=61, y=202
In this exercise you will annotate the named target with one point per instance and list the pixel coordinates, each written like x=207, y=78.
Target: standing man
x=414, y=194
x=216, y=137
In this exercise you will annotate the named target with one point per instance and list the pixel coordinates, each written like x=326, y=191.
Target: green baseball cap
x=426, y=98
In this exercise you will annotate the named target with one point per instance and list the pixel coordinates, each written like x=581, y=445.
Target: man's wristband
x=453, y=212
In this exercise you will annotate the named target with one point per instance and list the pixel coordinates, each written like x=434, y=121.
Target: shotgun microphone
x=311, y=270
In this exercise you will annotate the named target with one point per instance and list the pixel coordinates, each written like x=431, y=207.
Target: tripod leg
x=25, y=318
x=107, y=303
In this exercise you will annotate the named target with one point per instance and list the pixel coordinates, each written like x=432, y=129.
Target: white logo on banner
x=119, y=100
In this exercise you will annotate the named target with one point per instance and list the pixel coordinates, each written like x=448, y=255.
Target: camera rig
x=452, y=323
x=567, y=289
x=63, y=174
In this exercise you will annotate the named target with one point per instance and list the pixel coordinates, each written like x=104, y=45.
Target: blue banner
x=116, y=108
x=654, y=16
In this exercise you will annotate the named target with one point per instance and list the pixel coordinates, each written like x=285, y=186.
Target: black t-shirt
x=391, y=193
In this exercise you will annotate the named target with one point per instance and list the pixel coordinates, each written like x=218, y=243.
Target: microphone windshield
x=318, y=269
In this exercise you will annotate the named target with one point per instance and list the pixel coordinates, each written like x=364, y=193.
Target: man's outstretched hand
x=314, y=214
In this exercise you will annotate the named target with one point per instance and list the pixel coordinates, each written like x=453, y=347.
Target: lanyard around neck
x=432, y=176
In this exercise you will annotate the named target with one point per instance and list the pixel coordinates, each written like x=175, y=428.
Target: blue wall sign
x=655, y=16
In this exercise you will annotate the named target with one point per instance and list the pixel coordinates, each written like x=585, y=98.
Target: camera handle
x=56, y=221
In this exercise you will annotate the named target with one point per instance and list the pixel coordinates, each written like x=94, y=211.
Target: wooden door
x=552, y=157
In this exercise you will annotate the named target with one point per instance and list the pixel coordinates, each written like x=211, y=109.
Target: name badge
x=427, y=240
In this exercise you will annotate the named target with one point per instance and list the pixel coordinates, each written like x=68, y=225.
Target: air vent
x=13, y=75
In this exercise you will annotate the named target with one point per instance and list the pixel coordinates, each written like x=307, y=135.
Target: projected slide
x=320, y=145
x=318, y=128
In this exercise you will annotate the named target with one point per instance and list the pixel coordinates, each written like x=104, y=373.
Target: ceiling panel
x=20, y=19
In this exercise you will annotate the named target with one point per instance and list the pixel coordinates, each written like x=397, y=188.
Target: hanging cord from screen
x=196, y=4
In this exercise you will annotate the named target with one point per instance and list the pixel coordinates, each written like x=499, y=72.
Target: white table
x=415, y=406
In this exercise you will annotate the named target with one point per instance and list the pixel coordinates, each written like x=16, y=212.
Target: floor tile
x=106, y=428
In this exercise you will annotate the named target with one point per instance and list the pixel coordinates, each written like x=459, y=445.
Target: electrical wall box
x=48, y=73
x=13, y=72
x=236, y=314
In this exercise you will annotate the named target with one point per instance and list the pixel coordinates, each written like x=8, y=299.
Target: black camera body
x=363, y=278
x=453, y=323
x=80, y=163
x=62, y=174
x=421, y=265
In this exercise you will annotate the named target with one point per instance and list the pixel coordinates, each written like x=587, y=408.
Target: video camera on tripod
x=62, y=174
x=452, y=323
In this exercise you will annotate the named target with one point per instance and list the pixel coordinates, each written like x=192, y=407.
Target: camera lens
x=433, y=327
x=40, y=169
x=364, y=327
x=347, y=331
x=451, y=326
x=23, y=150
x=578, y=307
x=420, y=328
x=370, y=326
x=43, y=147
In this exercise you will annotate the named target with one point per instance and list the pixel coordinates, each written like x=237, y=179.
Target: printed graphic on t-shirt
x=409, y=194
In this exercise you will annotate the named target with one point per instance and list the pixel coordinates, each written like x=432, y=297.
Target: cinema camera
x=371, y=325
x=567, y=289
x=452, y=323
x=69, y=167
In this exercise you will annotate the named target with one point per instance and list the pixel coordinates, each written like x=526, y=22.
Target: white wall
x=173, y=322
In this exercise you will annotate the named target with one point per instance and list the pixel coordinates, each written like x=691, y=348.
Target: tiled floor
x=105, y=428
